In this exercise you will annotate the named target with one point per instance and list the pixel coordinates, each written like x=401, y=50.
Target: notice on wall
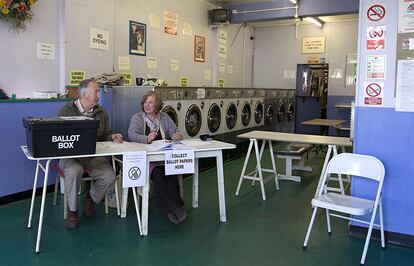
x=374, y=93
x=289, y=74
x=404, y=101
x=313, y=59
x=376, y=37
x=187, y=29
x=179, y=162
x=99, y=39
x=76, y=76
x=174, y=65
x=230, y=69
x=134, y=169
x=222, y=36
x=376, y=66
x=155, y=21
x=183, y=81
x=128, y=78
x=406, y=16
x=152, y=62
x=221, y=83
x=123, y=63
x=170, y=22
x=222, y=68
x=222, y=50
x=201, y=93
x=313, y=45
x=207, y=74
x=45, y=51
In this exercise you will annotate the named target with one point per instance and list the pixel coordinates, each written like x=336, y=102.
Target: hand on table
x=177, y=136
x=151, y=137
x=117, y=138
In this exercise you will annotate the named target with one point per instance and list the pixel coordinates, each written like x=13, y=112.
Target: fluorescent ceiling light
x=317, y=21
x=293, y=2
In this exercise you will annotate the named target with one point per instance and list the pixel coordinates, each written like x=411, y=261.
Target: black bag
x=3, y=95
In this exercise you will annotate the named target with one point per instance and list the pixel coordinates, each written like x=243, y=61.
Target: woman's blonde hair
x=157, y=97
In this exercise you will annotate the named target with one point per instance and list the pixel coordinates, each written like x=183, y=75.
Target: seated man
x=99, y=168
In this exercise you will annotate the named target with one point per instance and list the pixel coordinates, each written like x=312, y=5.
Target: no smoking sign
x=373, y=93
x=376, y=12
x=376, y=37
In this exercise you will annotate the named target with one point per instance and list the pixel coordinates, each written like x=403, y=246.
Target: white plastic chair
x=363, y=166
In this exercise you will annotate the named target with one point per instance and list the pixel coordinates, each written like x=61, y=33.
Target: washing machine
x=171, y=105
x=269, y=110
x=280, y=110
x=290, y=111
x=191, y=119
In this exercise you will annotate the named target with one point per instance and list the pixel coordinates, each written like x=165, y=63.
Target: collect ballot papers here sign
x=178, y=161
x=134, y=169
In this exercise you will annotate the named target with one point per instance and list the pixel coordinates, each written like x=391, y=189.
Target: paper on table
x=158, y=145
x=195, y=142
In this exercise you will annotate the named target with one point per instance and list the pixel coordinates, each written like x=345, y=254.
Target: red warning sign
x=376, y=12
x=373, y=94
x=376, y=37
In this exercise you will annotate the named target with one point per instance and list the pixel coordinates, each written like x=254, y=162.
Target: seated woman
x=145, y=127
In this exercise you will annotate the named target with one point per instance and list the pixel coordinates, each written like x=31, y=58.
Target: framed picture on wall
x=199, y=48
x=137, y=38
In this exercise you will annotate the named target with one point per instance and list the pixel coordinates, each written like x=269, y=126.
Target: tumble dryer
x=214, y=111
x=258, y=108
x=269, y=110
x=290, y=111
x=171, y=107
x=280, y=110
x=191, y=121
x=230, y=118
x=245, y=109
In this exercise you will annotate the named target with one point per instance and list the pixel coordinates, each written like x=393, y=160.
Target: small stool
x=294, y=151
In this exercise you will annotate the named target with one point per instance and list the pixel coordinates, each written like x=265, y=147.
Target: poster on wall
x=404, y=100
x=199, y=48
x=170, y=22
x=137, y=38
x=373, y=93
x=99, y=39
x=406, y=16
x=313, y=45
x=376, y=37
x=376, y=66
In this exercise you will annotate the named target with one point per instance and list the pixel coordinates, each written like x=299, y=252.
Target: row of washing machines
x=227, y=112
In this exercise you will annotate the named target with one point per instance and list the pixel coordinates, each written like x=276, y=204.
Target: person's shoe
x=88, y=205
x=180, y=213
x=72, y=220
x=171, y=216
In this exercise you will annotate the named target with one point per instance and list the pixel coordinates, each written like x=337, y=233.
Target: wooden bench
x=294, y=151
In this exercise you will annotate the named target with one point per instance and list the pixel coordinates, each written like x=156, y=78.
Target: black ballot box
x=60, y=136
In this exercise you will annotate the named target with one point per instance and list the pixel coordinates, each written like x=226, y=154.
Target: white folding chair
x=363, y=166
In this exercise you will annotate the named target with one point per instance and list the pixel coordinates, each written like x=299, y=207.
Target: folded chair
x=363, y=166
